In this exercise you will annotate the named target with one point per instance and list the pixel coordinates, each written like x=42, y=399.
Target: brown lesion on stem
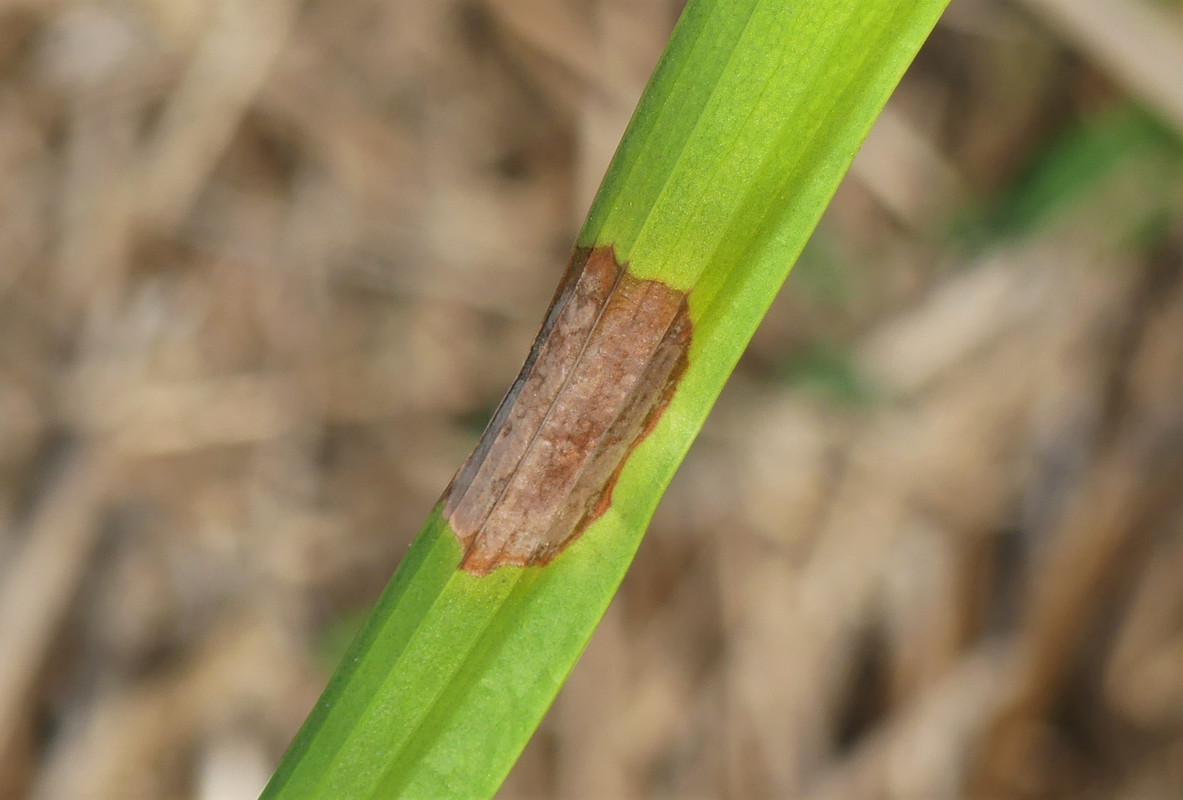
x=601, y=372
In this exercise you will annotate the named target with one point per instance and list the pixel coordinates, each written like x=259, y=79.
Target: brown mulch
x=267, y=266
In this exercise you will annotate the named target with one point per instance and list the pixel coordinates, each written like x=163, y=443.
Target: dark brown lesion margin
x=602, y=370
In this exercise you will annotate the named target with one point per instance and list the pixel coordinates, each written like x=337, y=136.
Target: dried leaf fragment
x=602, y=369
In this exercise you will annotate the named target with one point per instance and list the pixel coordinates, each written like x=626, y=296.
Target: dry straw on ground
x=266, y=266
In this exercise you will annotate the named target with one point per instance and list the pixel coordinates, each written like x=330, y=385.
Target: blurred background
x=266, y=267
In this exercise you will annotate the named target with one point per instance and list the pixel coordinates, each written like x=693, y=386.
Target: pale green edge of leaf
x=451, y=674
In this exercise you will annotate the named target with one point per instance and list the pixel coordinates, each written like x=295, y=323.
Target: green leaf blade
x=753, y=115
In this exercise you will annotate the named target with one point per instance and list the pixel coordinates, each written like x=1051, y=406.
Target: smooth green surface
x=749, y=123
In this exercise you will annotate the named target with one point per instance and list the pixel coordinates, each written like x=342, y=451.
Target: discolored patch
x=600, y=373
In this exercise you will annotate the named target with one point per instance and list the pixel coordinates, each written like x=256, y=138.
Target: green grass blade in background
x=751, y=119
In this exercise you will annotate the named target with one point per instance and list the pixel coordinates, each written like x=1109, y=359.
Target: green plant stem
x=752, y=117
